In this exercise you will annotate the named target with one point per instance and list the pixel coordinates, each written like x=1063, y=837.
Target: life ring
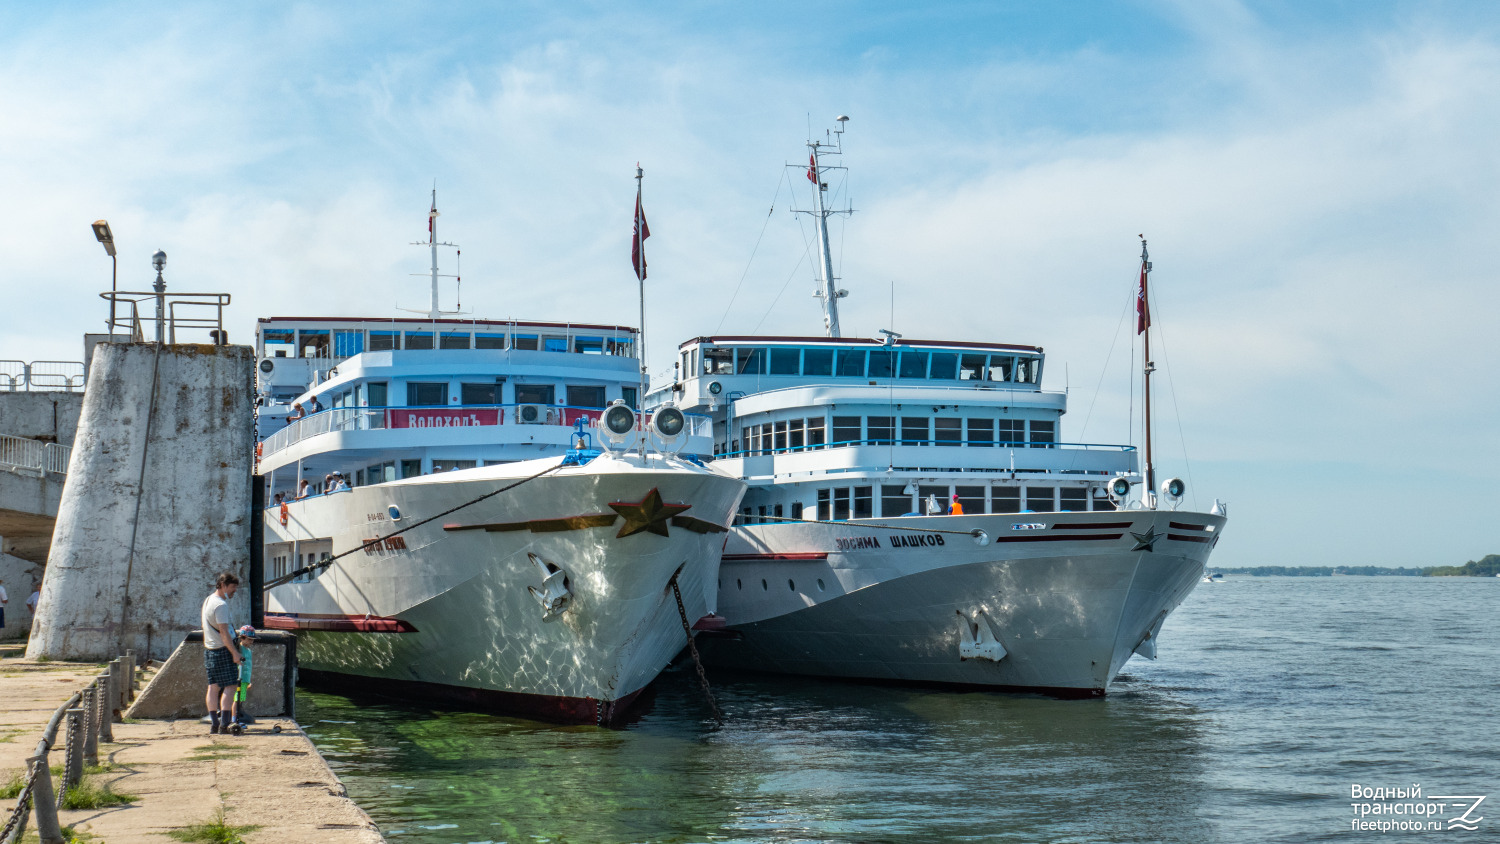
x=283, y=515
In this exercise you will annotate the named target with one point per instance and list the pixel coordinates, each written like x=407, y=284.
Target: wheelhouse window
x=971, y=368
x=846, y=430
x=454, y=340
x=426, y=394
x=944, y=366
x=851, y=363
x=347, y=344
x=817, y=362
x=279, y=342
x=489, y=341
x=1001, y=367
x=535, y=394
x=313, y=343
x=384, y=341
x=1043, y=433
x=479, y=393
x=914, y=430
x=913, y=364
x=751, y=361
x=584, y=396
x=553, y=343
x=526, y=342
x=882, y=363
x=718, y=362
x=588, y=345
x=419, y=339
x=785, y=361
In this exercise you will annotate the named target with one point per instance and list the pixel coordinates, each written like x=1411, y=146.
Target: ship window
x=585, y=396
x=628, y=394
x=1101, y=500
x=795, y=437
x=1005, y=499
x=588, y=345
x=718, y=362
x=535, y=394
x=1001, y=367
x=489, y=341
x=913, y=364
x=313, y=342
x=894, y=501
x=347, y=344
x=776, y=511
x=418, y=340
x=815, y=438
x=1020, y=370
x=411, y=468
x=525, y=342
x=554, y=344
x=817, y=362
x=971, y=497
x=780, y=436
x=824, y=497
x=882, y=430
x=948, y=430
x=882, y=363
x=786, y=361
x=864, y=502
x=1041, y=499
x=426, y=394
x=752, y=361
x=383, y=341
x=478, y=394
x=452, y=465
x=279, y=342
x=750, y=433
x=454, y=340
x=944, y=365
x=621, y=346
x=763, y=585
x=796, y=509
x=846, y=430
x=738, y=584
x=933, y=497
x=820, y=584
x=1043, y=434
x=841, y=504
x=852, y=363
x=1012, y=431
x=971, y=368
x=1074, y=500
x=791, y=584
x=914, y=430
x=981, y=432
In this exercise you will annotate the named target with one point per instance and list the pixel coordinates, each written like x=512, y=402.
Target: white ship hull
x=444, y=609
x=1054, y=603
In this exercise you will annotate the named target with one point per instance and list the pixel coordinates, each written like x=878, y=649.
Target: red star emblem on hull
x=649, y=514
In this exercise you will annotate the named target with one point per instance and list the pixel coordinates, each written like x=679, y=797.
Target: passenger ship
x=846, y=561
x=547, y=588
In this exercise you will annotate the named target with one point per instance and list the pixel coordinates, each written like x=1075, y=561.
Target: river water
x=1271, y=698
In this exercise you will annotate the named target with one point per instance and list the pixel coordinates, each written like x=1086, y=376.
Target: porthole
x=395, y=513
x=820, y=584
x=790, y=585
x=764, y=586
x=738, y=584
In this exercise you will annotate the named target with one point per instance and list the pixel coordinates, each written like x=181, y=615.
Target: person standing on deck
x=221, y=658
x=955, y=509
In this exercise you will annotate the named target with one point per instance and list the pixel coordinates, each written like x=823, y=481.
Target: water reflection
x=795, y=761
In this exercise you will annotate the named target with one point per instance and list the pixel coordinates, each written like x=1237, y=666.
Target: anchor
x=554, y=594
x=976, y=639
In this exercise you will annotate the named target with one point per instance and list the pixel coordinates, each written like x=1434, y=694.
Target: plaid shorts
x=221, y=668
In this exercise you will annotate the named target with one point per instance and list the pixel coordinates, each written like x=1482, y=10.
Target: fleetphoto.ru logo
x=1406, y=810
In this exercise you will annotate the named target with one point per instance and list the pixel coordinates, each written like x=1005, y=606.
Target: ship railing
x=761, y=452
x=446, y=416
x=35, y=455
x=38, y=375
x=925, y=457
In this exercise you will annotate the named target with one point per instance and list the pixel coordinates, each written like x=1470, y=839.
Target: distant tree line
x=1487, y=567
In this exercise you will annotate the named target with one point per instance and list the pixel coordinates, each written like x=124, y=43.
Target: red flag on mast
x=638, y=241
x=1142, y=308
x=812, y=168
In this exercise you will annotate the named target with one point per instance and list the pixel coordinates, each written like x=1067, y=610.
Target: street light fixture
x=107, y=237
x=159, y=260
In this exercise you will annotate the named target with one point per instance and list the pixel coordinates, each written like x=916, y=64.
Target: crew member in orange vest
x=955, y=509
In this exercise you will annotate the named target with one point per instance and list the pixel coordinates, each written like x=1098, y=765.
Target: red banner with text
x=442, y=417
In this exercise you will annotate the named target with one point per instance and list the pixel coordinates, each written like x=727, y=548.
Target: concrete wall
x=184, y=489
x=17, y=576
x=49, y=417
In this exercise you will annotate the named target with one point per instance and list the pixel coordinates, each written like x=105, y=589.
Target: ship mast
x=826, y=290
x=1143, y=324
x=432, y=243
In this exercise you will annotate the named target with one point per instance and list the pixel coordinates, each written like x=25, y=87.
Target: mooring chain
x=73, y=728
x=16, y=826
x=693, y=648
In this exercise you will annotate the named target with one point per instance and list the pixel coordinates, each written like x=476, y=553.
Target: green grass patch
x=70, y=835
x=215, y=831
x=90, y=794
x=11, y=788
x=212, y=752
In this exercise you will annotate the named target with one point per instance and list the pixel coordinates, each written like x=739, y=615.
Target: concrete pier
x=156, y=503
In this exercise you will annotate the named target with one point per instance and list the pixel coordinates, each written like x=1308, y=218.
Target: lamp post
x=159, y=260
x=106, y=237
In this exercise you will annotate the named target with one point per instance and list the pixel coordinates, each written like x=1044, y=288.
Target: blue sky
x=1319, y=183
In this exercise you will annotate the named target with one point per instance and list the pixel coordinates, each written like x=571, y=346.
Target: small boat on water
x=915, y=513
x=473, y=510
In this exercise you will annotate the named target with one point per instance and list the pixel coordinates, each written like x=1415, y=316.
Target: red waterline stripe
x=1180, y=538
x=1182, y=526
x=810, y=555
x=338, y=623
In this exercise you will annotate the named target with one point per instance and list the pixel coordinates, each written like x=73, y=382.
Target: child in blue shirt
x=243, y=639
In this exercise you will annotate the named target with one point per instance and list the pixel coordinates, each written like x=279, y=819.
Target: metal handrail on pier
x=163, y=314
x=23, y=453
x=19, y=375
